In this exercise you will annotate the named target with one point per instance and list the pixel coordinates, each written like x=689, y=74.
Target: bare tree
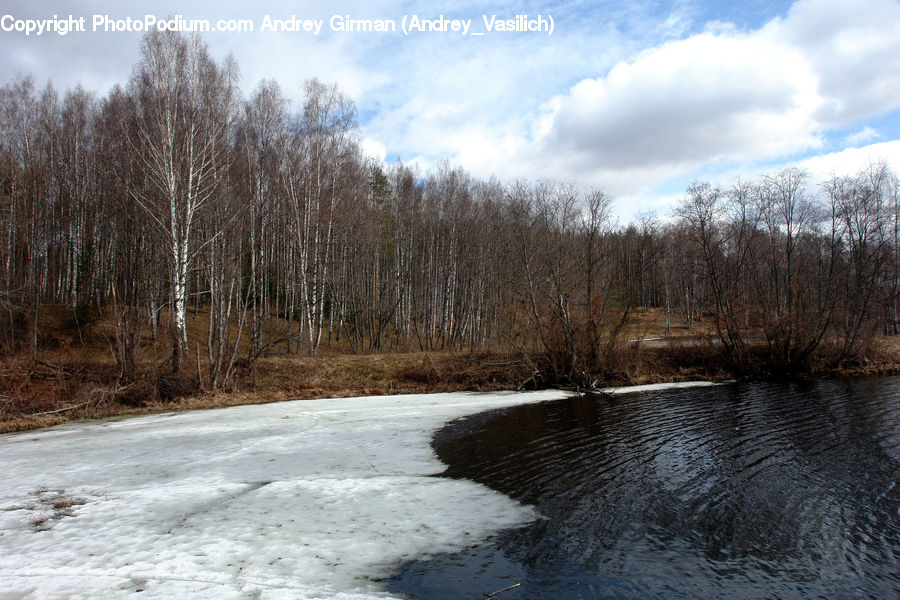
x=262, y=138
x=861, y=206
x=183, y=100
x=321, y=147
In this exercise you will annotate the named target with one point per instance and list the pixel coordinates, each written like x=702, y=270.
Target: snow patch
x=654, y=387
x=305, y=499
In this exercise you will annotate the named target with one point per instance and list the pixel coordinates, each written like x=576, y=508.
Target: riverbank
x=73, y=375
x=55, y=390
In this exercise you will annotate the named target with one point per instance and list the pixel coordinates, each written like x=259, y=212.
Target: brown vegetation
x=69, y=380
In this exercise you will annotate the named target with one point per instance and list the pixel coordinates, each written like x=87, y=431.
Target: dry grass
x=45, y=396
x=650, y=323
x=74, y=377
x=48, y=506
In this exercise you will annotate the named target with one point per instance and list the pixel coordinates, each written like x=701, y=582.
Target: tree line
x=173, y=194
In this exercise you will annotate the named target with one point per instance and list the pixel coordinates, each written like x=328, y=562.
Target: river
x=750, y=490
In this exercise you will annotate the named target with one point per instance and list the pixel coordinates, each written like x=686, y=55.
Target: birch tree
x=322, y=147
x=183, y=102
x=262, y=138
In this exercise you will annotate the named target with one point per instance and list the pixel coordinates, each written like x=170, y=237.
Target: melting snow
x=653, y=387
x=306, y=499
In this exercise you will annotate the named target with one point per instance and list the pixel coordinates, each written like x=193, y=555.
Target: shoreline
x=71, y=397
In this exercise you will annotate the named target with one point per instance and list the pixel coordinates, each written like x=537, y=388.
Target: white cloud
x=442, y=92
x=373, y=148
x=854, y=48
x=719, y=97
x=704, y=98
x=852, y=160
x=866, y=134
x=819, y=168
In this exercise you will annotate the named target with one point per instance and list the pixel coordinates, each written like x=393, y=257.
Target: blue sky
x=638, y=98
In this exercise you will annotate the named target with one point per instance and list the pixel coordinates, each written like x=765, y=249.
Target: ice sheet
x=653, y=387
x=306, y=499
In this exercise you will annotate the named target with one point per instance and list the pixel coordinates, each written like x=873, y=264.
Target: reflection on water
x=741, y=491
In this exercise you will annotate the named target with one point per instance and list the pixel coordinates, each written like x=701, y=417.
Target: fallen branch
x=58, y=368
x=52, y=412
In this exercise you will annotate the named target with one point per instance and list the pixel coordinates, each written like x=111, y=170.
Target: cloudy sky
x=638, y=98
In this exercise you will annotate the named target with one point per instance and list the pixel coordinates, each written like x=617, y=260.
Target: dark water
x=740, y=491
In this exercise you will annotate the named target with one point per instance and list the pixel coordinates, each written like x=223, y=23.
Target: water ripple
x=743, y=491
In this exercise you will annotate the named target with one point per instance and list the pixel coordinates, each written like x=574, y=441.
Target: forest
x=173, y=196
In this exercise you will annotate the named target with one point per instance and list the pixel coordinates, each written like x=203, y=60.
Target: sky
x=637, y=98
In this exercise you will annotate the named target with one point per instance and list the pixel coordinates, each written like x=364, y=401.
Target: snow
x=305, y=499
x=655, y=387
